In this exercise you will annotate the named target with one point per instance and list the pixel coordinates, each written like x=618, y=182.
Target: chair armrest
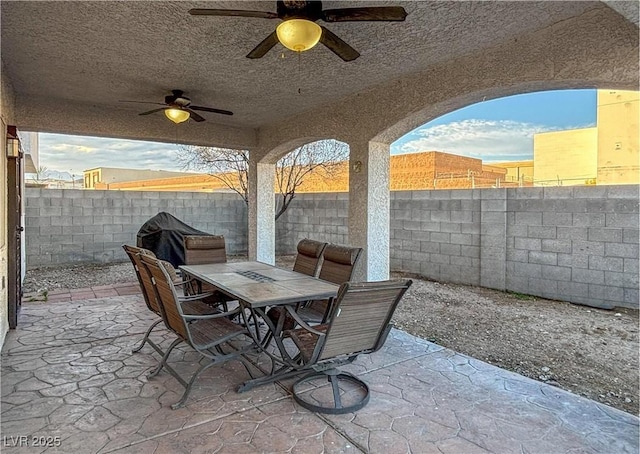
x=199, y=296
x=211, y=316
x=185, y=282
x=302, y=323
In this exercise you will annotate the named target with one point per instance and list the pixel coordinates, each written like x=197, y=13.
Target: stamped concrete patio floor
x=68, y=372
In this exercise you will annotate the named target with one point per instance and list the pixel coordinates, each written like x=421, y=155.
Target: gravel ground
x=587, y=351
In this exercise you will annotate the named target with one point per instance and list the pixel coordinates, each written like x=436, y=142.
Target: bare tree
x=231, y=167
x=323, y=158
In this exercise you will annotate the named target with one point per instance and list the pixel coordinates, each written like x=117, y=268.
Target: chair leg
x=146, y=336
x=163, y=362
x=336, y=391
x=305, y=397
x=187, y=390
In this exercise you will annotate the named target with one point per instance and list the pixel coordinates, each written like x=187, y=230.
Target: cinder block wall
x=577, y=244
x=320, y=216
x=68, y=226
x=437, y=234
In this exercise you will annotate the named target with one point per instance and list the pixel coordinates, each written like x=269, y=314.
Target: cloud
x=75, y=154
x=489, y=140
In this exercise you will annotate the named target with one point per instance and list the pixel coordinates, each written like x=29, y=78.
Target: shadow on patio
x=68, y=373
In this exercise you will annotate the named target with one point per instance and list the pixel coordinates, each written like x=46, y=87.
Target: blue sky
x=495, y=130
x=502, y=129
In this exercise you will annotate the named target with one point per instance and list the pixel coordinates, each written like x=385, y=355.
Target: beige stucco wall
x=565, y=158
x=7, y=103
x=618, y=155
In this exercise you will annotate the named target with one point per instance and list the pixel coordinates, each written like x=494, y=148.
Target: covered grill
x=163, y=234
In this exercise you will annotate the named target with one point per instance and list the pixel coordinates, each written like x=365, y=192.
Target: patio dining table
x=258, y=286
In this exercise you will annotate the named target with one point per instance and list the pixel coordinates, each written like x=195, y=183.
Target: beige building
x=565, y=158
x=520, y=172
x=102, y=177
x=605, y=154
x=618, y=157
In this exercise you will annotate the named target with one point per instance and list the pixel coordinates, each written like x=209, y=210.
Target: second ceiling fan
x=178, y=108
x=299, y=31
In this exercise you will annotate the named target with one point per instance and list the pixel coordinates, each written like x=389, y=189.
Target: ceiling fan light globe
x=177, y=115
x=299, y=35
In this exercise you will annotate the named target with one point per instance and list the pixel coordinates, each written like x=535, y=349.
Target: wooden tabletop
x=259, y=284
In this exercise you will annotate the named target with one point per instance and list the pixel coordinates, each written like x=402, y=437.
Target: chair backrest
x=339, y=263
x=143, y=276
x=309, y=257
x=200, y=249
x=360, y=321
x=166, y=296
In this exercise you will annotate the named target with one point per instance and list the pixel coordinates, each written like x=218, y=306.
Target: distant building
x=605, y=154
x=426, y=170
x=618, y=132
x=438, y=170
x=520, y=172
x=189, y=182
x=565, y=158
x=103, y=177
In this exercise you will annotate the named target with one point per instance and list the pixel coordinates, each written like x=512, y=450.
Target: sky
x=496, y=130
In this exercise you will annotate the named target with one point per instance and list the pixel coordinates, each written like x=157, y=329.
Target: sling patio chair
x=359, y=323
x=308, y=260
x=309, y=257
x=191, y=304
x=199, y=249
x=338, y=265
x=204, y=249
x=206, y=334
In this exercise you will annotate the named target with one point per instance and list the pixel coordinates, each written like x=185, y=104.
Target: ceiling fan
x=299, y=31
x=178, y=108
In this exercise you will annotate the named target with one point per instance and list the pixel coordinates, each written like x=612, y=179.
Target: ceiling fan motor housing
x=177, y=99
x=289, y=9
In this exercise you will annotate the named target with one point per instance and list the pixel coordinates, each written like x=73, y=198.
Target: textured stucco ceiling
x=62, y=55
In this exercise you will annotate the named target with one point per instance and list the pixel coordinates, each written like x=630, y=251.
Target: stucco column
x=369, y=207
x=261, y=219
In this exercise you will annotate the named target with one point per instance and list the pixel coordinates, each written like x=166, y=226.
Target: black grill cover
x=163, y=235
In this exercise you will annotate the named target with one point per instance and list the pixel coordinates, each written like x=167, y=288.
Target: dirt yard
x=587, y=351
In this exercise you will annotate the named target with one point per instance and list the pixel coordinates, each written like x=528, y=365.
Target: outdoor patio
x=68, y=372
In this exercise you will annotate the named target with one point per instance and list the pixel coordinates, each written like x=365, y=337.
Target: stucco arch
x=433, y=111
x=595, y=49
x=273, y=155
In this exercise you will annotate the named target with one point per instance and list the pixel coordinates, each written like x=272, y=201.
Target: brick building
x=424, y=170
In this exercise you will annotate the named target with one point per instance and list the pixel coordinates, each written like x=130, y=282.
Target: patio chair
x=338, y=265
x=206, y=334
x=203, y=249
x=359, y=323
x=199, y=249
x=190, y=304
x=309, y=257
x=307, y=262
